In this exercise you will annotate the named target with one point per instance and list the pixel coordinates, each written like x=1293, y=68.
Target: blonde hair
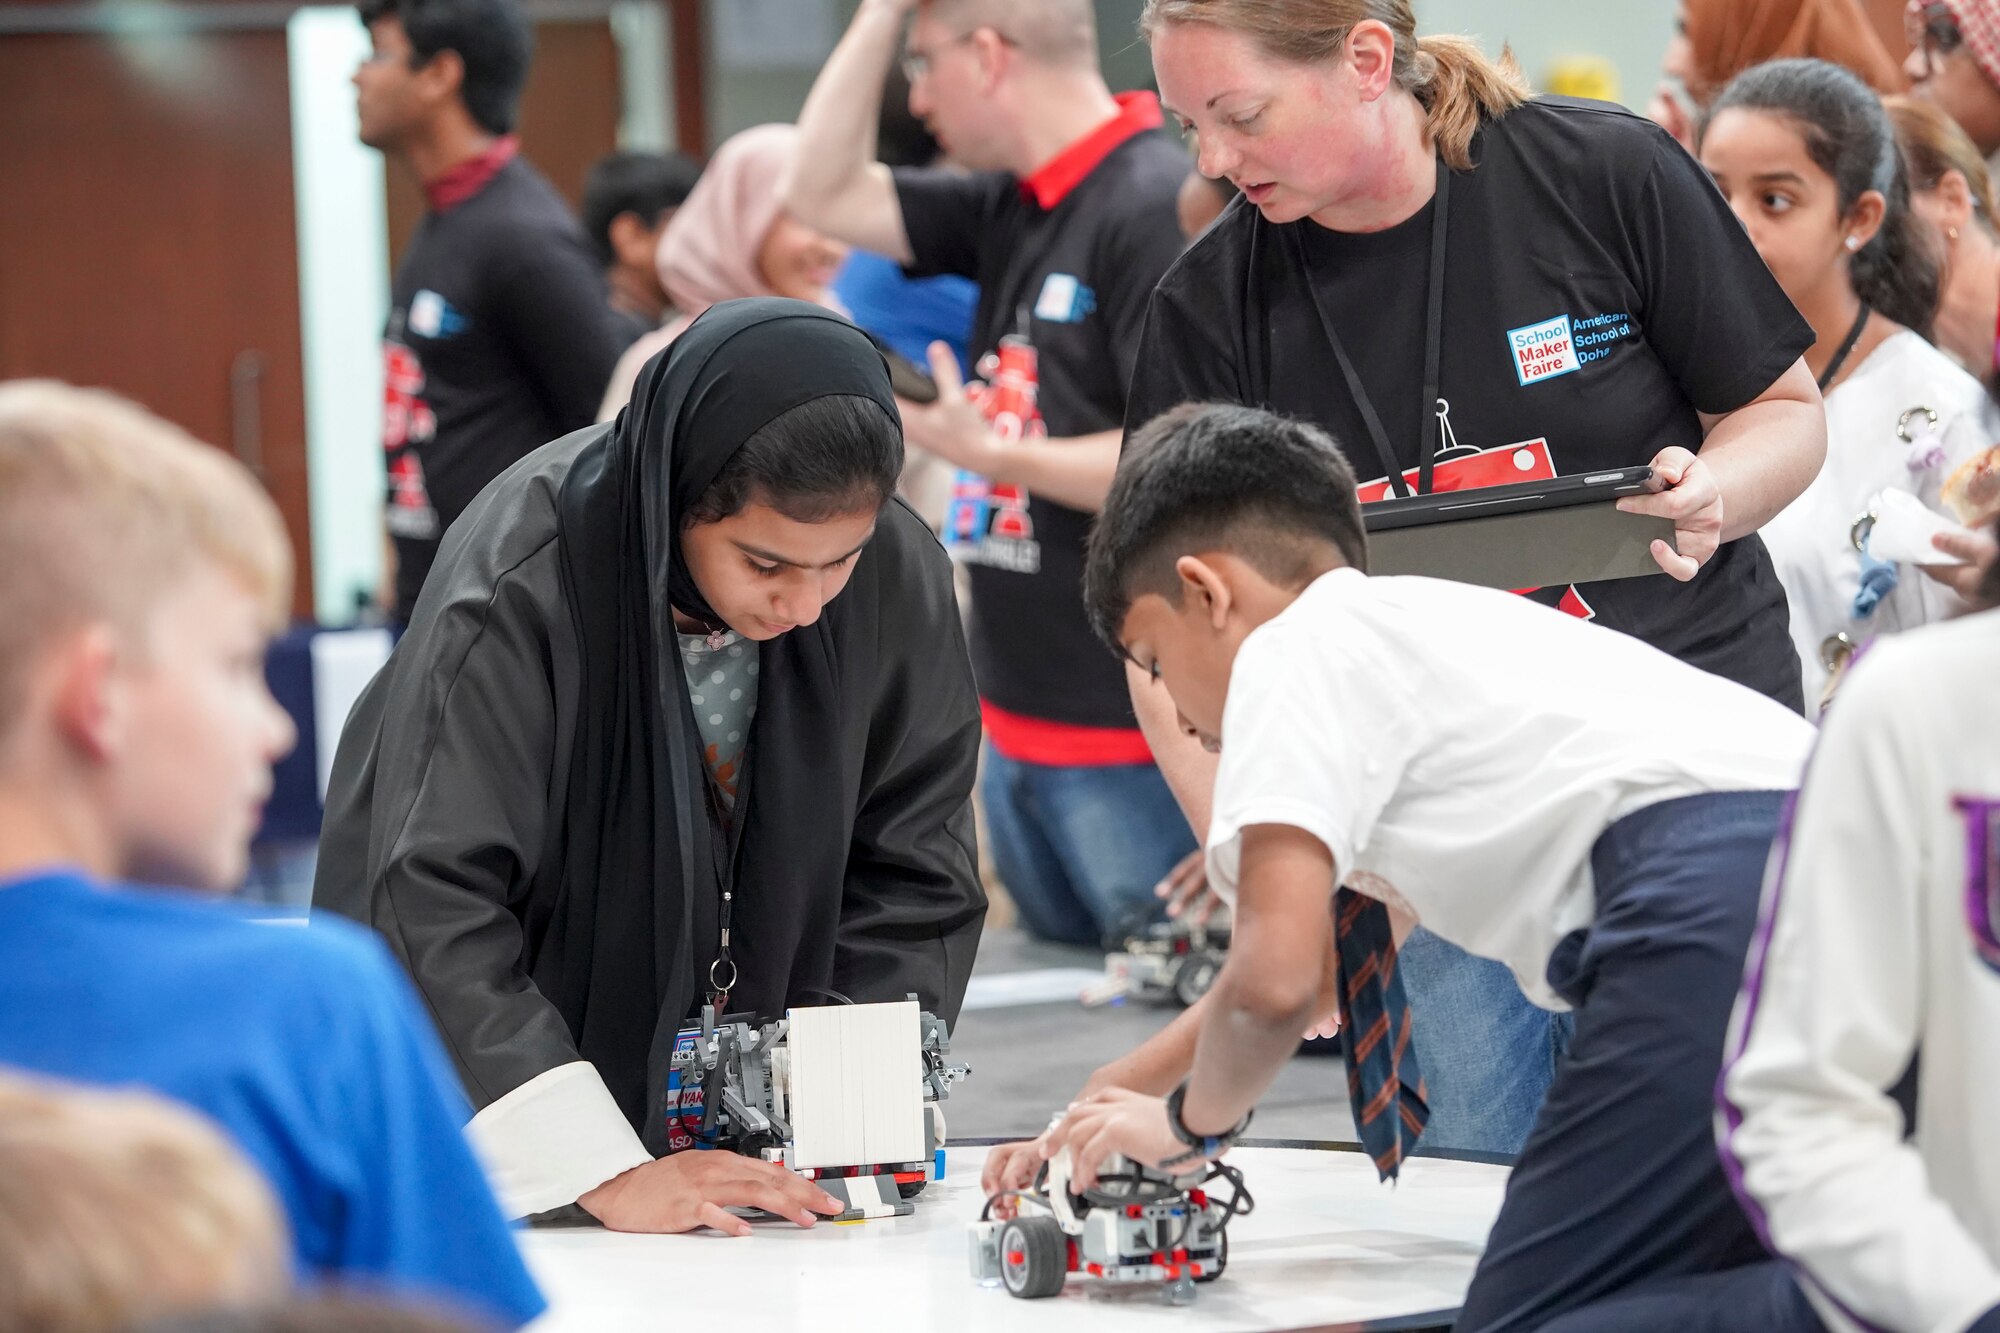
x=121, y=1206
x=104, y=507
x=1932, y=144
x=1060, y=32
x=1456, y=81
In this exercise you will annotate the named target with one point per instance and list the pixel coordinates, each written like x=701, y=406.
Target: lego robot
x=743, y=1085
x=1136, y=1224
x=1168, y=959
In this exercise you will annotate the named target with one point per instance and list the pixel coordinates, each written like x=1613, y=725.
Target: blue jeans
x=1080, y=849
x=1487, y=1052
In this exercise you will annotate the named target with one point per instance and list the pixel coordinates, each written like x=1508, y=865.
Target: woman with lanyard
x=1805, y=154
x=1468, y=286
x=684, y=716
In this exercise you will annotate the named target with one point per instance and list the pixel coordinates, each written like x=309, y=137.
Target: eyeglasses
x=917, y=62
x=1933, y=30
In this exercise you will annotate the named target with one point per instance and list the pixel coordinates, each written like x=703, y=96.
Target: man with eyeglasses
x=1955, y=62
x=1067, y=222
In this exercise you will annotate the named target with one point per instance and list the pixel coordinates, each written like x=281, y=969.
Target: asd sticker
x=1543, y=351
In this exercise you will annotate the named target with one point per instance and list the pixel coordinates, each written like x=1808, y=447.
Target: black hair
x=492, y=37
x=1849, y=136
x=901, y=140
x=647, y=184
x=1214, y=476
x=834, y=455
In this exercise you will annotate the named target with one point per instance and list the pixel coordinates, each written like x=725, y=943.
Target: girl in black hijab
x=684, y=711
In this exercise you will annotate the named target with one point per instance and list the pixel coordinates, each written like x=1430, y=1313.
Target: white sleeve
x=554, y=1139
x=1312, y=739
x=1829, y=1016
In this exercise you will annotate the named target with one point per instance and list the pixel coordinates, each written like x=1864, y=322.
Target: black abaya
x=519, y=804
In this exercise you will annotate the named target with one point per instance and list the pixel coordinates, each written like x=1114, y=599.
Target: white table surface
x=1327, y=1245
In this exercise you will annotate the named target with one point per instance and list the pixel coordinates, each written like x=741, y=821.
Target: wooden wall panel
x=147, y=237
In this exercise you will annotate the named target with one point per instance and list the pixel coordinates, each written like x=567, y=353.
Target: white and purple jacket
x=1877, y=940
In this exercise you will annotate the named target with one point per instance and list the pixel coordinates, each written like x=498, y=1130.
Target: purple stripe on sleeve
x=1747, y=1001
x=1982, y=874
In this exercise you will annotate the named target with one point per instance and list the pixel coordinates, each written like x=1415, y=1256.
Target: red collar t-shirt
x=1052, y=182
x=456, y=184
x=1066, y=257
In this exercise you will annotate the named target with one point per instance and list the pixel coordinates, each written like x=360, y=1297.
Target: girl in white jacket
x=1880, y=938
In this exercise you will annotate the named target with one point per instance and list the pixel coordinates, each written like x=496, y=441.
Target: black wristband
x=1203, y=1145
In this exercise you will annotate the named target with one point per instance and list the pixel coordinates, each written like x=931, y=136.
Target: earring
x=1951, y=234
x=1854, y=243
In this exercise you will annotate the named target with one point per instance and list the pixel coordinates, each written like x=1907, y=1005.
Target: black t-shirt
x=500, y=339
x=1075, y=280
x=1598, y=294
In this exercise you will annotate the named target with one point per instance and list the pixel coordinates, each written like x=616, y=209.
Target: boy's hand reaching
x=1010, y=1167
x=1129, y=1124
x=1186, y=890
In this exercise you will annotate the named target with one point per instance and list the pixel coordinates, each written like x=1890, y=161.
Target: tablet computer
x=1517, y=497
x=1523, y=535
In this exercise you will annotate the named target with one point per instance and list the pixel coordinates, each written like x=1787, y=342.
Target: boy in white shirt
x=1580, y=806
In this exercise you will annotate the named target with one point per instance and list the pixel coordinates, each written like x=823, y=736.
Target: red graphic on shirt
x=1469, y=470
x=406, y=418
x=1572, y=604
x=989, y=523
x=406, y=483
x=1013, y=388
x=1009, y=517
x=407, y=421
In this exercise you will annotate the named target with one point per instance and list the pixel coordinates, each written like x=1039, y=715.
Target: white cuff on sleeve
x=553, y=1139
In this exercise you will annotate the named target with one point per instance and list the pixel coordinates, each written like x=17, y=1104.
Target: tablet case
x=1585, y=543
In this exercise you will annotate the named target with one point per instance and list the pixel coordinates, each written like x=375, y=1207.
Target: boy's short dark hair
x=492, y=37
x=646, y=184
x=1211, y=476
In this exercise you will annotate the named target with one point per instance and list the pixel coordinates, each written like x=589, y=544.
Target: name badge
x=1064, y=300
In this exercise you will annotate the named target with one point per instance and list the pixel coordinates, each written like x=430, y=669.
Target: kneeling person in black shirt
x=1066, y=222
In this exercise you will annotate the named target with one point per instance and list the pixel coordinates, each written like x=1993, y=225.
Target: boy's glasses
x=917, y=62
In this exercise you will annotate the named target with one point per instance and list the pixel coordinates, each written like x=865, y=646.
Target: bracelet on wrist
x=1201, y=1146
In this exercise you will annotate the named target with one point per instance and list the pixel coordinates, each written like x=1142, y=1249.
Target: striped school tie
x=1384, y=1084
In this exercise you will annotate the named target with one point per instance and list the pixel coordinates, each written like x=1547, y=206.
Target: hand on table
x=691, y=1190
x=1116, y=1120
x=1693, y=501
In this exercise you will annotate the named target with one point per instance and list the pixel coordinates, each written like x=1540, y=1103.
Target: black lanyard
x=1433, y=342
x=1846, y=348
